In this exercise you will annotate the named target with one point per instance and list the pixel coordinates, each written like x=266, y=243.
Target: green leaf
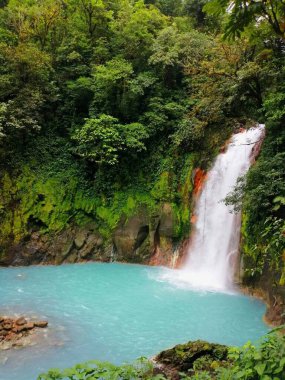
x=260, y=368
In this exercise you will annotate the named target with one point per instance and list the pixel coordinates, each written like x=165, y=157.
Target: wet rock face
x=145, y=237
x=132, y=238
x=14, y=332
x=69, y=246
x=191, y=356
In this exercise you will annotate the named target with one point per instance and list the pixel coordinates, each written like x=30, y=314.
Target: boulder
x=65, y=251
x=41, y=324
x=91, y=245
x=80, y=238
x=130, y=235
x=29, y=326
x=192, y=355
x=21, y=321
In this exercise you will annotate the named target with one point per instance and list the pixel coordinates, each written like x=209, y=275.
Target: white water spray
x=213, y=251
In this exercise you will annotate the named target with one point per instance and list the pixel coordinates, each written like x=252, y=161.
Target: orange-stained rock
x=199, y=178
x=29, y=326
x=15, y=332
x=18, y=329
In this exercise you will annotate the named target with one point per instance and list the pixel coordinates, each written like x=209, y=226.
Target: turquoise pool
x=115, y=312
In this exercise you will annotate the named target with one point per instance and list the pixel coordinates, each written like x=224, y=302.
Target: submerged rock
x=41, y=324
x=21, y=321
x=16, y=332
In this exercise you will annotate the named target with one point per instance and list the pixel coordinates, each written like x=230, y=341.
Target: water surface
x=115, y=312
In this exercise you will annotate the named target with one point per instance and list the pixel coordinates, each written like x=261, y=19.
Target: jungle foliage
x=263, y=361
x=105, y=105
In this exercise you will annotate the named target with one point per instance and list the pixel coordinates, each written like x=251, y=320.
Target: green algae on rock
x=191, y=357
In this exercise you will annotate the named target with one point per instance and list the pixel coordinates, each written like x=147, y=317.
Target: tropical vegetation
x=107, y=105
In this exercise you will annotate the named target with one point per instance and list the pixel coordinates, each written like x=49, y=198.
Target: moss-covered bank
x=52, y=211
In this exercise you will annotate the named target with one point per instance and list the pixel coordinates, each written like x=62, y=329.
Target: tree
x=194, y=9
x=168, y=7
x=35, y=21
x=243, y=13
x=95, y=16
x=118, y=90
x=135, y=30
x=102, y=140
x=110, y=84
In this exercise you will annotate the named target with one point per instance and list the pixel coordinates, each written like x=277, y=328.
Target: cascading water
x=212, y=253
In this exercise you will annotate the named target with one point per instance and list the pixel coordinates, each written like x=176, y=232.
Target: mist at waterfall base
x=114, y=312
x=212, y=255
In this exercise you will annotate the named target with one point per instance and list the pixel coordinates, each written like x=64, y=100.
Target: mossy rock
x=196, y=355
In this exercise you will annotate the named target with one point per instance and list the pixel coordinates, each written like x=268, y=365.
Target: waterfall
x=213, y=247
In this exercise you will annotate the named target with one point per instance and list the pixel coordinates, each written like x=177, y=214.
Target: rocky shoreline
x=275, y=306
x=15, y=332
